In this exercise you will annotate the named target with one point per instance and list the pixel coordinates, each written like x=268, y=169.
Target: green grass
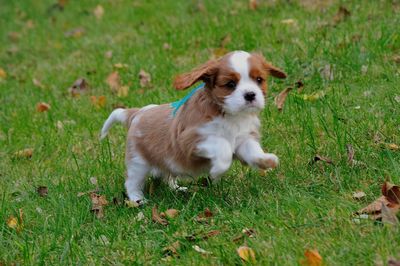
x=293, y=208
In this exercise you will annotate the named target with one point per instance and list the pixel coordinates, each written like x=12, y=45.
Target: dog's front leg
x=220, y=153
x=251, y=152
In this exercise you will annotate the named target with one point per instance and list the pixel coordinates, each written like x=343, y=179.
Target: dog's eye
x=231, y=84
x=259, y=80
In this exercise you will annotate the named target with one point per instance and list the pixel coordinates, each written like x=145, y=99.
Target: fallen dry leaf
x=144, y=78
x=203, y=217
x=123, y=91
x=288, y=21
x=393, y=262
x=99, y=101
x=42, y=191
x=131, y=204
x=12, y=222
x=249, y=232
x=30, y=24
x=391, y=192
x=98, y=12
x=166, y=46
x=98, y=204
x=358, y=195
x=374, y=209
x=341, y=15
x=16, y=223
x=75, y=33
x=322, y=159
x=37, y=83
x=156, y=217
x=3, y=74
x=79, y=87
x=200, y=250
x=202, y=236
x=393, y=147
x=280, y=99
x=253, y=4
x=247, y=254
x=327, y=72
x=350, y=154
x=313, y=97
x=389, y=215
x=313, y=258
x=299, y=85
x=171, y=213
x=121, y=65
x=114, y=81
x=172, y=250
x=42, y=107
x=24, y=154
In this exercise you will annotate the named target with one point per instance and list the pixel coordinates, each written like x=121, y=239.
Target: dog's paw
x=269, y=160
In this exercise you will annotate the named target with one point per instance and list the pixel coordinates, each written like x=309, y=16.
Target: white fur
x=222, y=137
x=118, y=115
x=137, y=170
x=235, y=102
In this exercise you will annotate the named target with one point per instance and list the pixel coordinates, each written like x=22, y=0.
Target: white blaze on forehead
x=240, y=63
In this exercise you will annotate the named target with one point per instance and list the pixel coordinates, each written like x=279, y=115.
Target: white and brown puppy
x=219, y=122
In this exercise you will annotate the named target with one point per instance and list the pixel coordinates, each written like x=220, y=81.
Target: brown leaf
x=341, y=15
x=156, y=217
x=172, y=250
x=280, y=99
x=79, y=87
x=253, y=4
x=171, y=213
x=322, y=159
x=42, y=107
x=98, y=12
x=350, y=154
x=391, y=192
x=249, y=232
x=24, y=154
x=98, y=203
x=75, y=33
x=99, y=101
x=358, y=195
x=42, y=191
x=203, y=236
x=396, y=59
x=393, y=262
x=114, y=81
x=313, y=258
x=203, y=217
x=374, y=209
x=299, y=85
x=144, y=78
x=247, y=254
x=389, y=215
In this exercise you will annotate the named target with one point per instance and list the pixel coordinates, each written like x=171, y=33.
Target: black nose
x=249, y=96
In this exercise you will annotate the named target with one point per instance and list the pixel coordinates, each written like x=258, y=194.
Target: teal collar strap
x=176, y=105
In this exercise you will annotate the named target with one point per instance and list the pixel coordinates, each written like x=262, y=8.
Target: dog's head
x=236, y=81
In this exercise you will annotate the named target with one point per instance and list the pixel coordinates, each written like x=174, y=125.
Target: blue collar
x=176, y=105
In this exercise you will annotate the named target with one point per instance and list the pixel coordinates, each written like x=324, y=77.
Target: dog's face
x=237, y=81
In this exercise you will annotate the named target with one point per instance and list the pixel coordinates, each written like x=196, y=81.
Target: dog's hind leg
x=137, y=170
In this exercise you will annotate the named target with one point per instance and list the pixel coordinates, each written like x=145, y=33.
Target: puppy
x=203, y=134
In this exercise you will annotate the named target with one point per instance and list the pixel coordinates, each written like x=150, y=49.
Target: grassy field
x=348, y=58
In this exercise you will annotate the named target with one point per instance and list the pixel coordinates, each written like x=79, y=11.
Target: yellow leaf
x=25, y=153
x=393, y=147
x=171, y=213
x=313, y=258
x=12, y=222
x=246, y=254
x=3, y=74
x=98, y=102
x=313, y=97
x=120, y=65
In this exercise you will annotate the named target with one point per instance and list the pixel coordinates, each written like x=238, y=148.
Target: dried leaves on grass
x=98, y=204
x=386, y=207
x=280, y=99
x=312, y=258
x=155, y=216
x=79, y=87
x=42, y=191
x=42, y=107
x=247, y=254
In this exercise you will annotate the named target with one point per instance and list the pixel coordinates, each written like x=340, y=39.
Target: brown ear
x=274, y=71
x=204, y=72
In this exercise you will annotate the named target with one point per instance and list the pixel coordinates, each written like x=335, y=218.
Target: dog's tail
x=123, y=116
